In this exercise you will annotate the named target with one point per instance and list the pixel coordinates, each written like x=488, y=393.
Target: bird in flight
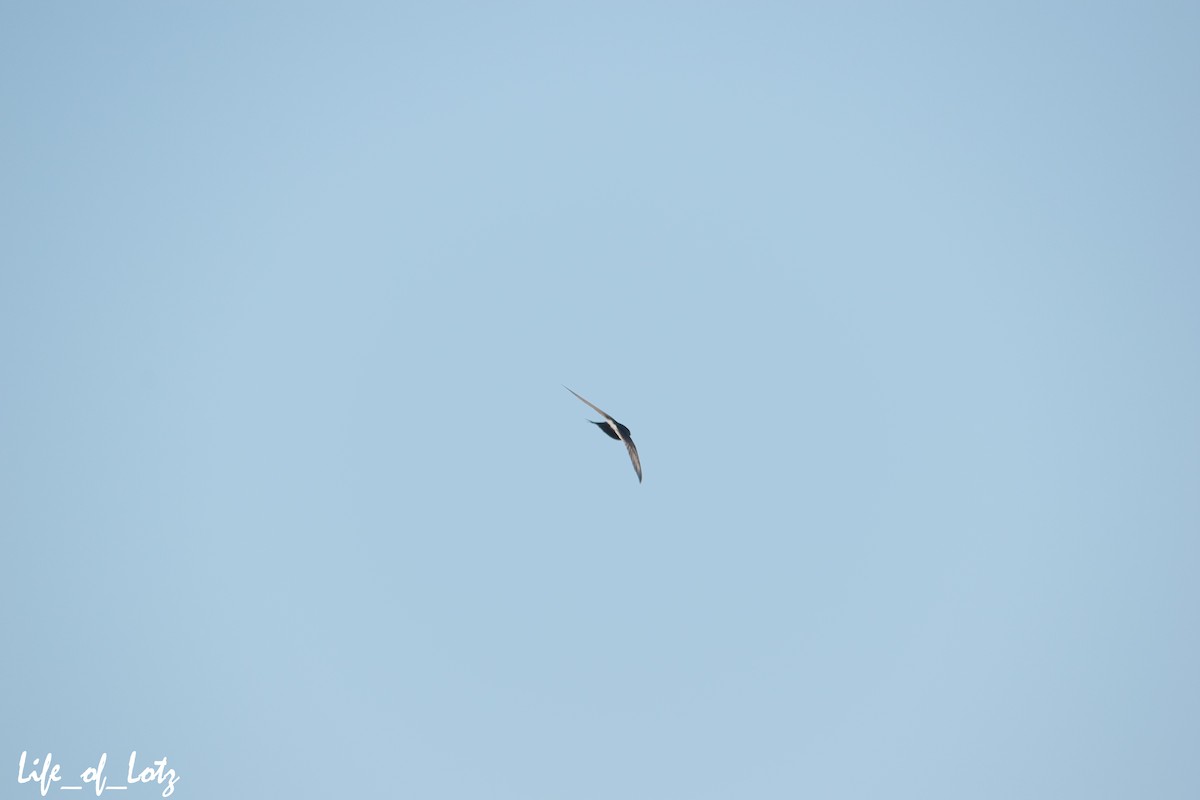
x=617, y=431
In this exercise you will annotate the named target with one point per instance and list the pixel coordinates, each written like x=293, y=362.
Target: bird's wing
x=633, y=456
x=598, y=411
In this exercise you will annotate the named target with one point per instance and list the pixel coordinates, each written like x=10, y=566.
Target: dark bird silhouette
x=616, y=431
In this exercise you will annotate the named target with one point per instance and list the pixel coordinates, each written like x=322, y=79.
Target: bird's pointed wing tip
x=589, y=403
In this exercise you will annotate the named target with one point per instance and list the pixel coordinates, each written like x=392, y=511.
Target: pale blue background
x=902, y=306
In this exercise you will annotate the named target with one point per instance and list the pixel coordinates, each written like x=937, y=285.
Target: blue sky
x=900, y=304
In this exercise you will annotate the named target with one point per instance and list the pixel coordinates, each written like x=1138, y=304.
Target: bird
x=614, y=430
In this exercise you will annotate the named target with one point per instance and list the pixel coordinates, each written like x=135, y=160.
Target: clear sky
x=901, y=304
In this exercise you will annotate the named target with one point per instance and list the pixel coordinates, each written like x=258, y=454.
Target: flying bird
x=615, y=430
